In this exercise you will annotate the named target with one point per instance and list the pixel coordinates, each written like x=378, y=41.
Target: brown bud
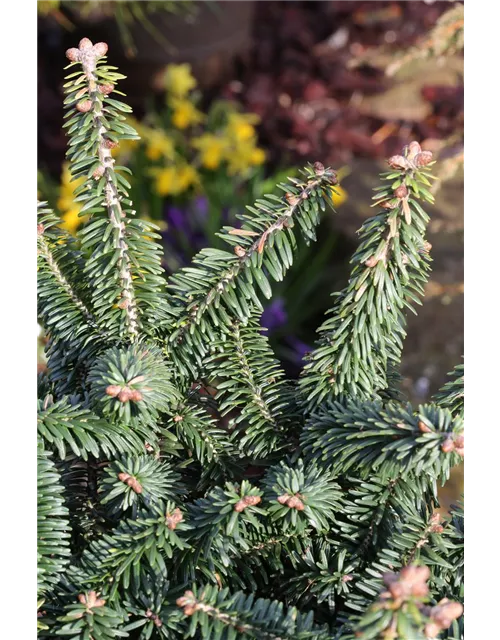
x=157, y=622
x=173, y=519
x=332, y=177
x=347, y=578
x=459, y=440
x=319, y=168
x=124, y=395
x=106, y=89
x=435, y=518
x=240, y=506
x=423, y=158
x=431, y=630
x=295, y=503
x=252, y=500
x=85, y=106
x=437, y=528
x=73, y=55
x=85, y=43
x=40, y=229
x=401, y=192
x=445, y=612
x=135, y=395
x=113, y=390
x=124, y=303
x=371, y=262
x=109, y=144
x=130, y=481
x=189, y=610
x=388, y=204
x=186, y=599
x=82, y=599
x=423, y=428
x=284, y=498
x=99, y=172
x=239, y=251
x=413, y=149
x=100, y=49
x=178, y=418
x=448, y=446
x=398, y=162
x=459, y=445
x=149, y=613
x=415, y=574
x=292, y=199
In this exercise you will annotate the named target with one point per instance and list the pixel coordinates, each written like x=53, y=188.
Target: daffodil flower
x=178, y=80
x=185, y=114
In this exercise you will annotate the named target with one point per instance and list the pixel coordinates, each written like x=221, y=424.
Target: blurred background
x=231, y=97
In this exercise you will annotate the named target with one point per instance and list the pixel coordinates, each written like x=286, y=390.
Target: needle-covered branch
x=122, y=262
x=366, y=327
x=391, y=439
x=222, y=286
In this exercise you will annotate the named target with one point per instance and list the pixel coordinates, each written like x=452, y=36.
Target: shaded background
x=345, y=83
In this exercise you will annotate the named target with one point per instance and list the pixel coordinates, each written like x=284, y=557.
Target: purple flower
x=299, y=348
x=201, y=206
x=274, y=315
x=177, y=218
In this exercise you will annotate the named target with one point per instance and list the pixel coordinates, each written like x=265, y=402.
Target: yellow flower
x=165, y=181
x=186, y=176
x=338, y=195
x=257, y=156
x=212, y=149
x=178, y=80
x=185, y=114
x=66, y=203
x=174, y=180
x=159, y=145
x=71, y=221
x=240, y=126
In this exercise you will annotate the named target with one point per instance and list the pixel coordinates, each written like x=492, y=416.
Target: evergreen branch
x=225, y=512
x=217, y=611
x=123, y=266
x=91, y=618
x=401, y=612
x=132, y=385
x=135, y=549
x=250, y=381
x=301, y=496
x=451, y=395
x=132, y=482
x=64, y=424
x=200, y=434
x=222, y=285
x=67, y=366
x=449, y=577
x=418, y=537
x=364, y=334
x=61, y=309
x=52, y=523
x=153, y=609
x=79, y=481
x=391, y=440
x=374, y=508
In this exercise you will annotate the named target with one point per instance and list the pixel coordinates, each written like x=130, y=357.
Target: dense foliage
x=186, y=488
